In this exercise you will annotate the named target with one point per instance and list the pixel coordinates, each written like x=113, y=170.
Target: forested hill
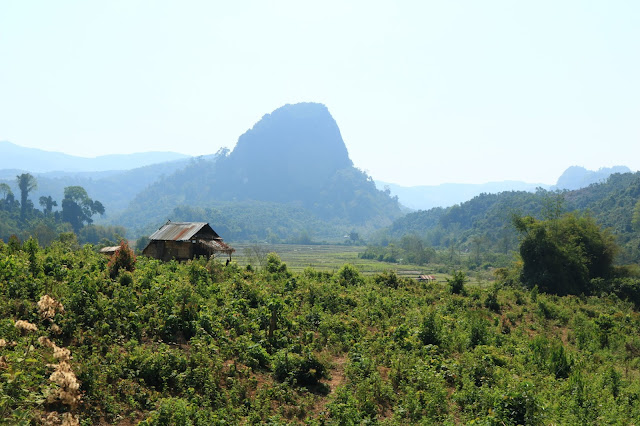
x=293, y=160
x=486, y=219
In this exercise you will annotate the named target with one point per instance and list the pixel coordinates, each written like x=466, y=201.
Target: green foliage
x=298, y=369
x=635, y=218
x=518, y=406
x=388, y=278
x=348, y=275
x=31, y=247
x=430, y=332
x=78, y=208
x=203, y=343
x=26, y=183
x=456, y=282
x=483, y=224
x=274, y=264
x=563, y=255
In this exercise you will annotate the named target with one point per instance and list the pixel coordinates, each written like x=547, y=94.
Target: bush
x=275, y=265
x=457, y=282
x=348, y=275
x=388, y=279
x=430, y=332
x=123, y=259
x=564, y=254
x=559, y=362
x=517, y=406
x=302, y=370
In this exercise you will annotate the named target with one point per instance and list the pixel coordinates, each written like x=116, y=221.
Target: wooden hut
x=185, y=240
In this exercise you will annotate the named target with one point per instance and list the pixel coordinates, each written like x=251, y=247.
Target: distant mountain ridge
x=34, y=160
x=447, y=194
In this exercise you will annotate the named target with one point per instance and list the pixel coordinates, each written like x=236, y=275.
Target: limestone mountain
x=576, y=177
x=288, y=154
x=294, y=156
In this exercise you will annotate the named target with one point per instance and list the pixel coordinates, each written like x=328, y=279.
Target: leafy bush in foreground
x=204, y=343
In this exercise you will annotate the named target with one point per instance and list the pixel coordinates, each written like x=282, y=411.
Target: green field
x=330, y=257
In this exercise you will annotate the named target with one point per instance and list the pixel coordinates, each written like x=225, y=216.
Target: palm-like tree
x=26, y=183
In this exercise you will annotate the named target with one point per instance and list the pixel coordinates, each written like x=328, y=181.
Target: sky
x=424, y=92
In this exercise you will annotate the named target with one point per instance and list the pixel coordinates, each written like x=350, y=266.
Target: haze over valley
x=288, y=178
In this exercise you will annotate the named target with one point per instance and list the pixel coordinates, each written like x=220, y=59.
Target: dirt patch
x=337, y=379
x=337, y=373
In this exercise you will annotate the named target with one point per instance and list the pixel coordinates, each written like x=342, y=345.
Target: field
x=325, y=257
x=331, y=257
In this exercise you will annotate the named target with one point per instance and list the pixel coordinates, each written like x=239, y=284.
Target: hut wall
x=167, y=250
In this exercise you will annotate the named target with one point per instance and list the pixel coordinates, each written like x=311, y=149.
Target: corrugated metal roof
x=178, y=231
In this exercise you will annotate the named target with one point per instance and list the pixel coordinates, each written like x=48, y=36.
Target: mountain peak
x=292, y=135
x=297, y=147
x=576, y=177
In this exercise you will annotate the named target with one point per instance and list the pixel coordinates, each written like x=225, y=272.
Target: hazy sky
x=424, y=92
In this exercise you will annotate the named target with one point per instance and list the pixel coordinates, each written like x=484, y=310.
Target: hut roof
x=184, y=231
x=218, y=246
x=109, y=250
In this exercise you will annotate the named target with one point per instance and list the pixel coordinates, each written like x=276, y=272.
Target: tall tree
x=77, y=207
x=26, y=183
x=47, y=204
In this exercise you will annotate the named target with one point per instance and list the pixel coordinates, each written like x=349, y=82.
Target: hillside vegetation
x=486, y=221
x=97, y=341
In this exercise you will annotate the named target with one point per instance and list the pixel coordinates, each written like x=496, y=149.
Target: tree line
x=20, y=217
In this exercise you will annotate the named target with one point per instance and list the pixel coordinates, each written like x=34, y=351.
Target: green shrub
x=491, y=301
x=348, y=276
x=457, y=282
x=478, y=332
x=559, y=362
x=518, y=406
x=430, y=331
x=297, y=369
x=388, y=279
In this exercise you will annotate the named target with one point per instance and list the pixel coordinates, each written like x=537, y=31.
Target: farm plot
x=324, y=257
